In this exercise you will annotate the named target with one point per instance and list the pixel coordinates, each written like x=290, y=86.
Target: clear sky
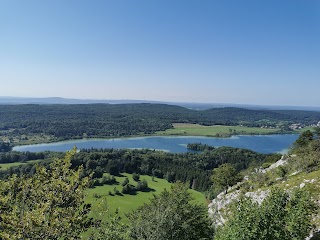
x=219, y=51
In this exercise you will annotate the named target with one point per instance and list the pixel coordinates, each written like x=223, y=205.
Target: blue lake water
x=175, y=144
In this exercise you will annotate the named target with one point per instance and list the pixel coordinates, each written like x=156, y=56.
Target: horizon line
x=160, y=101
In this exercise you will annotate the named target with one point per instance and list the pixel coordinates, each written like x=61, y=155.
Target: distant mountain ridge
x=59, y=100
x=7, y=100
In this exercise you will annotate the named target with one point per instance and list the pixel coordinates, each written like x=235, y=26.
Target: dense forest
x=194, y=169
x=107, y=120
x=11, y=157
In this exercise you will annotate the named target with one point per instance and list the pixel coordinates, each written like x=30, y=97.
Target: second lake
x=174, y=144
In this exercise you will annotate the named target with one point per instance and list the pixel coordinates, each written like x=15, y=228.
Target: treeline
x=105, y=120
x=11, y=157
x=257, y=118
x=194, y=169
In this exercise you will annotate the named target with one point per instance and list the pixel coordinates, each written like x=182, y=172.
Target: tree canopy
x=47, y=205
x=225, y=176
x=171, y=216
x=304, y=139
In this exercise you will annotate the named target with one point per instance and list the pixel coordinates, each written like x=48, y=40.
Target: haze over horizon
x=241, y=52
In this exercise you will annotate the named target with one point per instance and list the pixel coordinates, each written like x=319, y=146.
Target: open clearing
x=127, y=202
x=187, y=129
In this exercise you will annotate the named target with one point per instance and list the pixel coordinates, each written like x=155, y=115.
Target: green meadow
x=126, y=203
x=214, y=131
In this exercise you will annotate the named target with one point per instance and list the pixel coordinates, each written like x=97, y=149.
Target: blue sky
x=226, y=51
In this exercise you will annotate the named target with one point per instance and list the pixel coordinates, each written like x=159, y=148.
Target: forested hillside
x=193, y=169
x=60, y=122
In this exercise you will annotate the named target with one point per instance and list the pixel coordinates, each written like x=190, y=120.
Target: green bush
x=266, y=165
x=279, y=217
x=136, y=177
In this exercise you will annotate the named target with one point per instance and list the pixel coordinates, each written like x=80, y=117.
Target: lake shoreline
x=175, y=144
x=148, y=135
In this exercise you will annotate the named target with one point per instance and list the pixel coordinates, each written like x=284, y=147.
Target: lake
x=175, y=144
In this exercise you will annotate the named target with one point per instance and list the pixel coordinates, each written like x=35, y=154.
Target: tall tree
x=171, y=216
x=225, y=176
x=47, y=205
x=304, y=139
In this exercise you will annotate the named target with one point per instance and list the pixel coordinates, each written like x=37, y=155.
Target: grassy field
x=5, y=166
x=127, y=202
x=214, y=131
x=312, y=129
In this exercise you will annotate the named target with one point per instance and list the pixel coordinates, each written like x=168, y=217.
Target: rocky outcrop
x=218, y=206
